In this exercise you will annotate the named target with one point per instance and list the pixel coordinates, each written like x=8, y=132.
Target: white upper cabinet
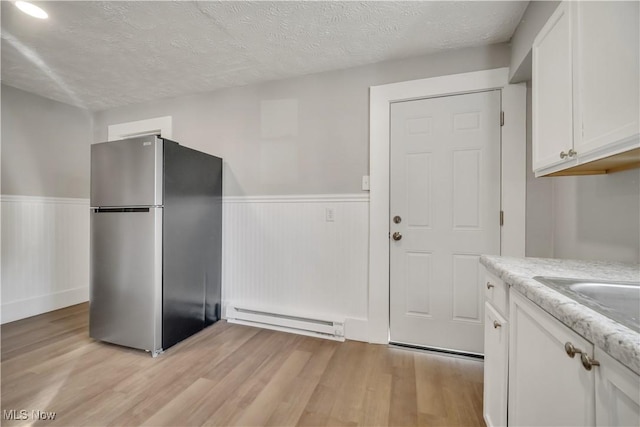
x=585, y=89
x=606, y=74
x=552, y=91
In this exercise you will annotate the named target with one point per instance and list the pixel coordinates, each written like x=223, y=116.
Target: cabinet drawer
x=497, y=294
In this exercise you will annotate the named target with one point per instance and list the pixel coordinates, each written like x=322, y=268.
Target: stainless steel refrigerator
x=156, y=242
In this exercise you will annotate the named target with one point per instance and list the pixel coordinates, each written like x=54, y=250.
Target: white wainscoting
x=281, y=254
x=45, y=254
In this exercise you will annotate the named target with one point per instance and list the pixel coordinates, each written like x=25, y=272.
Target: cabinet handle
x=571, y=350
x=588, y=362
x=496, y=324
x=489, y=285
x=572, y=153
x=563, y=155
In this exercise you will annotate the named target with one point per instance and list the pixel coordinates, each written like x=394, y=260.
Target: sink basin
x=624, y=298
x=619, y=301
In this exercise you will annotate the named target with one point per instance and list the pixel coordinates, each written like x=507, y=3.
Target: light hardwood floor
x=229, y=375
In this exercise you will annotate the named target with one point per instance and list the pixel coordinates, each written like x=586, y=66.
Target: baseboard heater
x=321, y=328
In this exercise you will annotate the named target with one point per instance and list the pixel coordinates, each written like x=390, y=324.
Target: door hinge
x=501, y=218
x=501, y=118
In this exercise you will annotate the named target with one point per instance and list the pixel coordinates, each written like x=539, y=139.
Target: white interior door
x=445, y=189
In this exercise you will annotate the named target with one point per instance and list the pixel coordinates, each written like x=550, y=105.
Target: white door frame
x=513, y=177
x=156, y=125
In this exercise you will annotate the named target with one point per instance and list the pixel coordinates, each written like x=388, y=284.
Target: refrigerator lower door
x=126, y=277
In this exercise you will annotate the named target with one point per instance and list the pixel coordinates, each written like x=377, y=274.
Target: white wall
x=45, y=254
x=597, y=217
x=306, y=138
x=44, y=230
x=534, y=17
x=582, y=217
x=305, y=135
x=281, y=254
x=539, y=213
x=44, y=146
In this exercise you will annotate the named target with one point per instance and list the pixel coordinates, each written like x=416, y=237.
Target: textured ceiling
x=100, y=55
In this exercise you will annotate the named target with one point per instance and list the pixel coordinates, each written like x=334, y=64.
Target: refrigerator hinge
x=501, y=218
x=501, y=118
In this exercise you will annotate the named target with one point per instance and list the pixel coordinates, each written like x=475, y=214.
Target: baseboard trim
x=22, y=309
x=356, y=329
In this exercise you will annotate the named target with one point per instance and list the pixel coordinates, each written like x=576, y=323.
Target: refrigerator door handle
x=120, y=210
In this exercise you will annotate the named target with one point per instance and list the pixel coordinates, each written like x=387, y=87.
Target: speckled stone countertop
x=620, y=342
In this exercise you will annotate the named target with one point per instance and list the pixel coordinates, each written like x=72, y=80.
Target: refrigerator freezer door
x=126, y=277
x=127, y=172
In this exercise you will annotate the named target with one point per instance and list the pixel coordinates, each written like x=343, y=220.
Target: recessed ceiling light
x=31, y=9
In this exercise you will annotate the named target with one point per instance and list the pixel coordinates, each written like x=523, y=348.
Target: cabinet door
x=552, y=95
x=496, y=367
x=607, y=57
x=617, y=393
x=546, y=386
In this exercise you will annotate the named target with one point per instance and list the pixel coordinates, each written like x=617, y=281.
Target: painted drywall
x=45, y=146
x=582, y=217
x=534, y=18
x=305, y=135
x=539, y=211
x=597, y=217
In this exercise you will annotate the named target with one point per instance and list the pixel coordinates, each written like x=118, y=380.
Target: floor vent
x=315, y=327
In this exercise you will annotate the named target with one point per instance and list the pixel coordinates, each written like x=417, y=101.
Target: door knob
x=572, y=153
x=563, y=155
x=397, y=236
x=496, y=324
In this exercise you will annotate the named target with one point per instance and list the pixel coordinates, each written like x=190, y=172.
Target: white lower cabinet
x=496, y=367
x=531, y=378
x=547, y=387
x=617, y=393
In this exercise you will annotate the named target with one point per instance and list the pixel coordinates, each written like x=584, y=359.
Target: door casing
x=513, y=175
